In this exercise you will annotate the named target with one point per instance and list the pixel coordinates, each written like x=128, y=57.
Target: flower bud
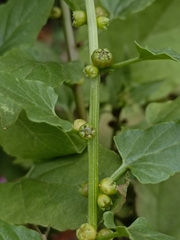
x=108, y=186
x=86, y=232
x=79, y=18
x=91, y=71
x=102, y=22
x=78, y=123
x=101, y=12
x=104, y=202
x=102, y=58
x=104, y=231
x=87, y=131
x=55, y=12
x=83, y=190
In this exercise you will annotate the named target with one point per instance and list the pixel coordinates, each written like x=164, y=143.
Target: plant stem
x=93, y=148
x=119, y=172
x=122, y=64
x=73, y=55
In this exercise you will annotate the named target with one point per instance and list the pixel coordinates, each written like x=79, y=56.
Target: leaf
x=76, y=4
x=24, y=62
x=151, y=155
x=159, y=204
x=124, y=8
x=48, y=195
x=163, y=112
x=34, y=96
x=146, y=53
x=9, y=231
x=39, y=141
x=21, y=21
x=138, y=230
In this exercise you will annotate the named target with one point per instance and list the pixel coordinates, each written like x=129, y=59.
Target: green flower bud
x=91, y=71
x=79, y=18
x=86, y=232
x=108, y=186
x=78, y=123
x=103, y=22
x=55, y=12
x=102, y=58
x=104, y=202
x=83, y=190
x=87, y=131
x=101, y=12
x=104, y=231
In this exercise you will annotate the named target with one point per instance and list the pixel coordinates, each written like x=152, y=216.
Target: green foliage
x=9, y=231
x=140, y=229
x=21, y=22
x=151, y=155
x=48, y=195
x=41, y=94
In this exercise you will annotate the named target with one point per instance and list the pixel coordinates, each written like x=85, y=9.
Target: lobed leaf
x=9, y=231
x=151, y=155
x=21, y=21
x=48, y=195
x=39, y=141
x=24, y=62
x=146, y=53
x=35, y=97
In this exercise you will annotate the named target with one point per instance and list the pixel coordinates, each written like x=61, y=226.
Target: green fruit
x=87, y=131
x=104, y=202
x=102, y=58
x=83, y=190
x=79, y=18
x=104, y=231
x=102, y=22
x=78, y=123
x=91, y=71
x=55, y=12
x=86, y=232
x=108, y=186
x=101, y=12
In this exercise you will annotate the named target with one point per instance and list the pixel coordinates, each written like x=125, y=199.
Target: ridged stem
x=93, y=145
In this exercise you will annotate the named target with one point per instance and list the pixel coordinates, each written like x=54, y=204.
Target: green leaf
x=151, y=155
x=21, y=21
x=76, y=4
x=163, y=112
x=124, y=8
x=38, y=141
x=24, y=62
x=34, y=96
x=9, y=231
x=146, y=53
x=140, y=230
x=159, y=203
x=48, y=195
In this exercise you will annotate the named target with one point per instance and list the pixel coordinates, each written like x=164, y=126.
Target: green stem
x=120, y=171
x=123, y=64
x=93, y=148
x=73, y=55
